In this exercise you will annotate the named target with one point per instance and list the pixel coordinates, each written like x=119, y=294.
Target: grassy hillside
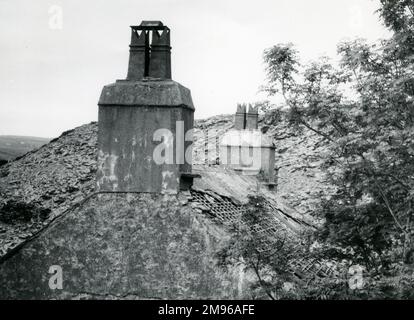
x=14, y=146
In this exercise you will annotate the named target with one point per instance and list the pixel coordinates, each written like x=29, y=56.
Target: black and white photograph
x=207, y=151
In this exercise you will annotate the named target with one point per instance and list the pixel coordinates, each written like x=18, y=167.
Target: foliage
x=364, y=108
x=270, y=268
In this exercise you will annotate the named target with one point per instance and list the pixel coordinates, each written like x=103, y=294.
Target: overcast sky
x=52, y=70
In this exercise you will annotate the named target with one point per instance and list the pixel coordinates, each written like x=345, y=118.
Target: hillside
x=12, y=147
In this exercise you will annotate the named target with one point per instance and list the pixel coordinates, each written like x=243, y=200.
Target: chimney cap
x=150, y=25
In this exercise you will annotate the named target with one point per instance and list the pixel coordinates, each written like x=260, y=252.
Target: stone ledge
x=146, y=92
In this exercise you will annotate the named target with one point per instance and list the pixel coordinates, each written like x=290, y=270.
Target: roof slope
x=48, y=195
x=50, y=179
x=46, y=182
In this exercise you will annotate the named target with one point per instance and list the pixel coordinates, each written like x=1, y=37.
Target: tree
x=364, y=109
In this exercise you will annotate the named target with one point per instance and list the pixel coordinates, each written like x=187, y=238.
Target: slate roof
x=60, y=175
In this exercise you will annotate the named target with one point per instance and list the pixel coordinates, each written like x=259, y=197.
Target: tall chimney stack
x=160, y=63
x=145, y=121
x=138, y=55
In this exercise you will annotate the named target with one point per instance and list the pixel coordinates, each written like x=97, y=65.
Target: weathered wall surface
x=126, y=146
x=124, y=246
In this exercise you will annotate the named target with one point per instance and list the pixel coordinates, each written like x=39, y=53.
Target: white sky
x=51, y=77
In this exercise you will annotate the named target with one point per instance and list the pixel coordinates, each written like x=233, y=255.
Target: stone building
x=137, y=229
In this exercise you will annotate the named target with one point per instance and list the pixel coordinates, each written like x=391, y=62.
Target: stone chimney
x=252, y=117
x=246, y=149
x=138, y=55
x=243, y=120
x=240, y=117
x=160, y=63
x=145, y=121
x=149, y=60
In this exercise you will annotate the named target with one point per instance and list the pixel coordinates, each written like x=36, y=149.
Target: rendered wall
x=126, y=148
x=260, y=158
